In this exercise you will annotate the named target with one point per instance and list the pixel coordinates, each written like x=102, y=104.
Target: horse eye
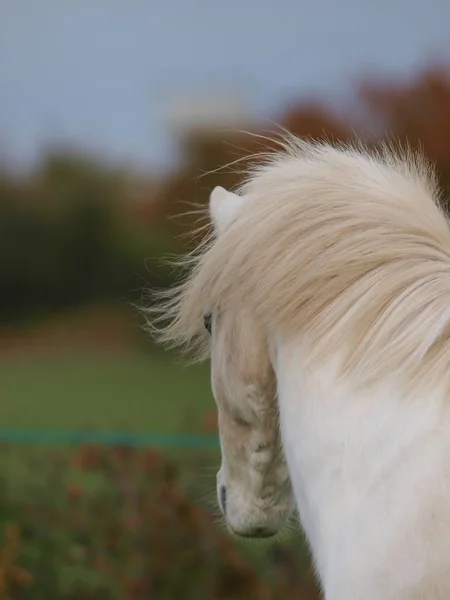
x=207, y=320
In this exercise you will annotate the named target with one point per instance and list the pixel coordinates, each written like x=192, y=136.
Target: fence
x=63, y=437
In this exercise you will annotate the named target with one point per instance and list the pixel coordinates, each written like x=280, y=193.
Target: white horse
x=323, y=301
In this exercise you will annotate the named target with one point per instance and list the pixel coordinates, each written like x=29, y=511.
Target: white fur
x=330, y=301
x=371, y=478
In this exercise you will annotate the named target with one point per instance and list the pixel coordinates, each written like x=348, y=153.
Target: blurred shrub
x=71, y=235
x=115, y=524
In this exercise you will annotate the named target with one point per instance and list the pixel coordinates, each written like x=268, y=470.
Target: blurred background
x=116, y=116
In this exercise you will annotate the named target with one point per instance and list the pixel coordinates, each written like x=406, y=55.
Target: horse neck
x=371, y=477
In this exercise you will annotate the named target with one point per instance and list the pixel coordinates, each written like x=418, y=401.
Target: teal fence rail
x=61, y=437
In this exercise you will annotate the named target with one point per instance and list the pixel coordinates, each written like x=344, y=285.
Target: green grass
x=136, y=392
x=132, y=392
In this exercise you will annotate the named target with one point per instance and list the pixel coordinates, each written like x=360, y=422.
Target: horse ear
x=224, y=207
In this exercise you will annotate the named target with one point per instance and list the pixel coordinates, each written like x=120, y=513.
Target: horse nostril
x=259, y=532
x=223, y=499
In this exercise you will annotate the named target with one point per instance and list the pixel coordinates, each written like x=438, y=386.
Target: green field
x=139, y=392
x=133, y=392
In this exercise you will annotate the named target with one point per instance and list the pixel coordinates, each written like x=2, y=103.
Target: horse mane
x=344, y=248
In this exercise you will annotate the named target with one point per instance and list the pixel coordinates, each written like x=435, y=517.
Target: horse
x=322, y=299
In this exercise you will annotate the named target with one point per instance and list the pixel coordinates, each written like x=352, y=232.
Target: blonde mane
x=348, y=249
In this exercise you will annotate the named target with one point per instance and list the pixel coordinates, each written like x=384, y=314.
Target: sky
x=99, y=75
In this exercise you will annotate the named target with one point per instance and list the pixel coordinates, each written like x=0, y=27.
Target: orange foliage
x=11, y=575
x=315, y=121
x=417, y=111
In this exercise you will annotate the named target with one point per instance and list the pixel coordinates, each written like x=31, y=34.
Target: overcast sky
x=99, y=73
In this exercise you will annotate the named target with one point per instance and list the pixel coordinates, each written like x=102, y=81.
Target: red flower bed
x=114, y=523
